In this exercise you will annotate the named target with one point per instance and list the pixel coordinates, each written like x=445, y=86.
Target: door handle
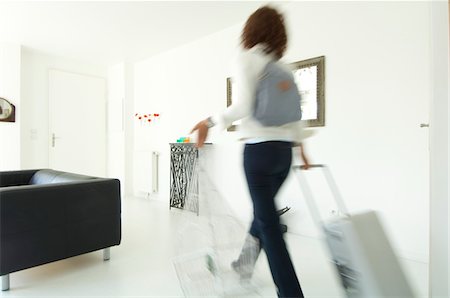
x=422, y=125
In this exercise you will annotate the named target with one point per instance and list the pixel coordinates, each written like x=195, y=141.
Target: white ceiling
x=111, y=32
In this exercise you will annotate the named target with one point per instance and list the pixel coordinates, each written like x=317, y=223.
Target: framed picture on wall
x=309, y=76
x=234, y=125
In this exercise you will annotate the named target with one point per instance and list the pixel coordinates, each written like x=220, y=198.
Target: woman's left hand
x=304, y=158
x=202, y=128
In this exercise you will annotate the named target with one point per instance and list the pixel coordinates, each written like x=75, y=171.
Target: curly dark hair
x=265, y=25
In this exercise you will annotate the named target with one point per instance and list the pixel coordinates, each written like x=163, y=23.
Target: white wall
x=115, y=125
x=10, y=89
x=375, y=53
x=183, y=85
x=377, y=94
x=129, y=112
x=34, y=88
x=120, y=125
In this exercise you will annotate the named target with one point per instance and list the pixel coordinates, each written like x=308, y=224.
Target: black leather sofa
x=47, y=215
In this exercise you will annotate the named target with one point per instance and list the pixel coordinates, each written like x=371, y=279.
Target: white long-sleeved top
x=247, y=71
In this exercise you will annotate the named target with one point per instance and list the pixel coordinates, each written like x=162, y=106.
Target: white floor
x=142, y=265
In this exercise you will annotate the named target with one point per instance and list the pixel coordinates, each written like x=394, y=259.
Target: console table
x=183, y=177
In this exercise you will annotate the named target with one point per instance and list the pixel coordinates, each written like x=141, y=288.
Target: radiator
x=155, y=164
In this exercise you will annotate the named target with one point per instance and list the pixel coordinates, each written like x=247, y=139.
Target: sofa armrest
x=15, y=178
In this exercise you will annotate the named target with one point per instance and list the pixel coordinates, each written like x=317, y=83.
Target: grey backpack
x=277, y=97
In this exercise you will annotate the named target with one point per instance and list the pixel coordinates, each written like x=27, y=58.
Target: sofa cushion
x=48, y=176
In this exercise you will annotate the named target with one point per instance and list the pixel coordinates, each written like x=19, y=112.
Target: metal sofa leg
x=5, y=282
x=106, y=254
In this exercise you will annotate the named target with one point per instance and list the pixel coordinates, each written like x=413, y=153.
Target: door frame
x=439, y=259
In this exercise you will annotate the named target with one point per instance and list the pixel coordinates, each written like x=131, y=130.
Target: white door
x=77, y=123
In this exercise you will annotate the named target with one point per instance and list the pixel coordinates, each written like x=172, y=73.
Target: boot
x=245, y=264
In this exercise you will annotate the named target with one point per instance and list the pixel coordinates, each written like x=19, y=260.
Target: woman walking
x=268, y=148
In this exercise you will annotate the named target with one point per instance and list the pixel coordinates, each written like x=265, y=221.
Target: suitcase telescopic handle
x=309, y=197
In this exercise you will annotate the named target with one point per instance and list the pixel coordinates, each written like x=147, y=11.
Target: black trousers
x=266, y=166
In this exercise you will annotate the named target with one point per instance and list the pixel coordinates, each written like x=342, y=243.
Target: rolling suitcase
x=360, y=250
